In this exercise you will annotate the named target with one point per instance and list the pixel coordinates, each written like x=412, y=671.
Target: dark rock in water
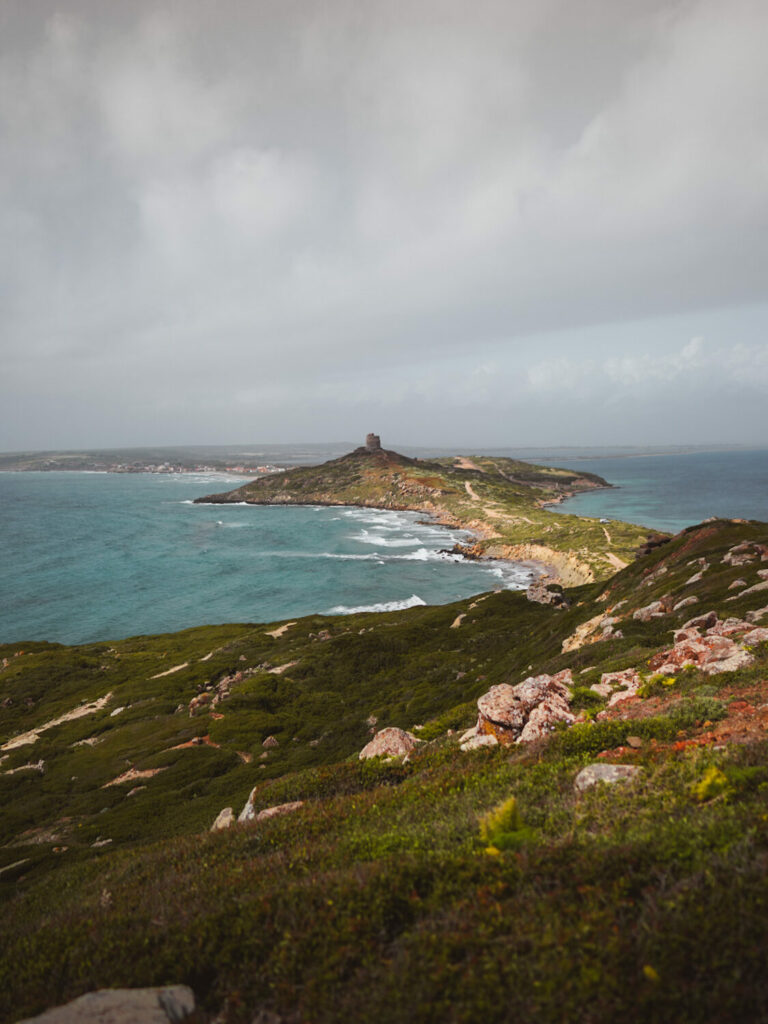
x=172, y=1005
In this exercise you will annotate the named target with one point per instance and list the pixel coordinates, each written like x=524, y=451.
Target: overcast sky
x=529, y=222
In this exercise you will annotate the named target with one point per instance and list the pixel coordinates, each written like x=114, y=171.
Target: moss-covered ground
x=388, y=897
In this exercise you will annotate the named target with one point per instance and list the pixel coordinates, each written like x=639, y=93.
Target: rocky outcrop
x=599, y=627
x=711, y=654
x=654, y=610
x=607, y=773
x=390, y=742
x=618, y=686
x=746, y=553
x=552, y=594
x=224, y=819
x=249, y=812
x=172, y=1005
x=528, y=711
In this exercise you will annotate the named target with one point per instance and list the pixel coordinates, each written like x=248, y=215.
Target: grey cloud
x=246, y=220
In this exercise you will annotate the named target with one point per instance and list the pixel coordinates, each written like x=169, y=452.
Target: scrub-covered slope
x=386, y=896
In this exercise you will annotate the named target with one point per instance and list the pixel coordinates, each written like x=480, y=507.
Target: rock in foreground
x=175, y=1004
x=528, y=711
x=390, y=742
x=608, y=773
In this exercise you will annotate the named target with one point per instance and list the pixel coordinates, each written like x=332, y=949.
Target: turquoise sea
x=671, y=491
x=89, y=556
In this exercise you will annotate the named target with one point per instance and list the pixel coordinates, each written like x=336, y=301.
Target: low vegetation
x=451, y=886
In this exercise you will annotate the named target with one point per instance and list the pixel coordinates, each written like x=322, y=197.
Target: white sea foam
x=367, y=537
x=385, y=606
x=428, y=555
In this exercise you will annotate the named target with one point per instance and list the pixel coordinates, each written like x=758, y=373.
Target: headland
x=501, y=501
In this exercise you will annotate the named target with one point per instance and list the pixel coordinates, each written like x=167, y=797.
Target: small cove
x=90, y=556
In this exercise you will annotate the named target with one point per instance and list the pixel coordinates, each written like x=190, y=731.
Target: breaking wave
x=385, y=606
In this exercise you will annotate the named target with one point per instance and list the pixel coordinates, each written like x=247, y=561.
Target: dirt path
x=33, y=735
x=493, y=513
x=458, y=620
x=470, y=491
x=615, y=561
x=170, y=671
x=280, y=630
x=462, y=462
x=608, y=537
x=278, y=671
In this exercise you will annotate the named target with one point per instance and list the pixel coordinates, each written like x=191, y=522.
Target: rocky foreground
x=539, y=807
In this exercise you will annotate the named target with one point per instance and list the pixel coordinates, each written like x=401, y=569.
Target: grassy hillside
x=501, y=500
x=379, y=899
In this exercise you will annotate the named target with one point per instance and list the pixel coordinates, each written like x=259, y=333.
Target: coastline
x=547, y=563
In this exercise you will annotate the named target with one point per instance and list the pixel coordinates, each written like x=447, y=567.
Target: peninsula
x=501, y=501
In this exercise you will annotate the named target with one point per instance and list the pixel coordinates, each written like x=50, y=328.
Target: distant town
x=137, y=461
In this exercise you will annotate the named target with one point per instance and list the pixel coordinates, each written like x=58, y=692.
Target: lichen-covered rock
x=654, y=610
x=390, y=742
x=270, y=742
x=710, y=654
x=224, y=819
x=608, y=773
x=756, y=636
x=685, y=603
x=530, y=710
x=175, y=1004
x=618, y=686
x=756, y=614
x=547, y=593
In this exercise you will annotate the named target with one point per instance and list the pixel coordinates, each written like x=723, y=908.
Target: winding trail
x=470, y=491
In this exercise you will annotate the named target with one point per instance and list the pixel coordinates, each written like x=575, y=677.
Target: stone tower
x=372, y=442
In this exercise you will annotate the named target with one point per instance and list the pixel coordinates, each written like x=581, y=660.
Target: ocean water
x=88, y=556
x=671, y=491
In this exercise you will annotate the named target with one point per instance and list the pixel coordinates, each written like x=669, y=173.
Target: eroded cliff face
x=565, y=566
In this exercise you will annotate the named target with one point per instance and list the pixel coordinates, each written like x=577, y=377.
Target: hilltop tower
x=373, y=442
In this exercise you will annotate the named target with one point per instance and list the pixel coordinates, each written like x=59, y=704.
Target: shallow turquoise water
x=90, y=556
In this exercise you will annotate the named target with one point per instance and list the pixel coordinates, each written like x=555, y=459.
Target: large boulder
x=542, y=592
x=528, y=711
x=389, y=742
x=172, y=1005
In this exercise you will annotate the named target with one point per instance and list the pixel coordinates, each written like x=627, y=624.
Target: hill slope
x=379, y=899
